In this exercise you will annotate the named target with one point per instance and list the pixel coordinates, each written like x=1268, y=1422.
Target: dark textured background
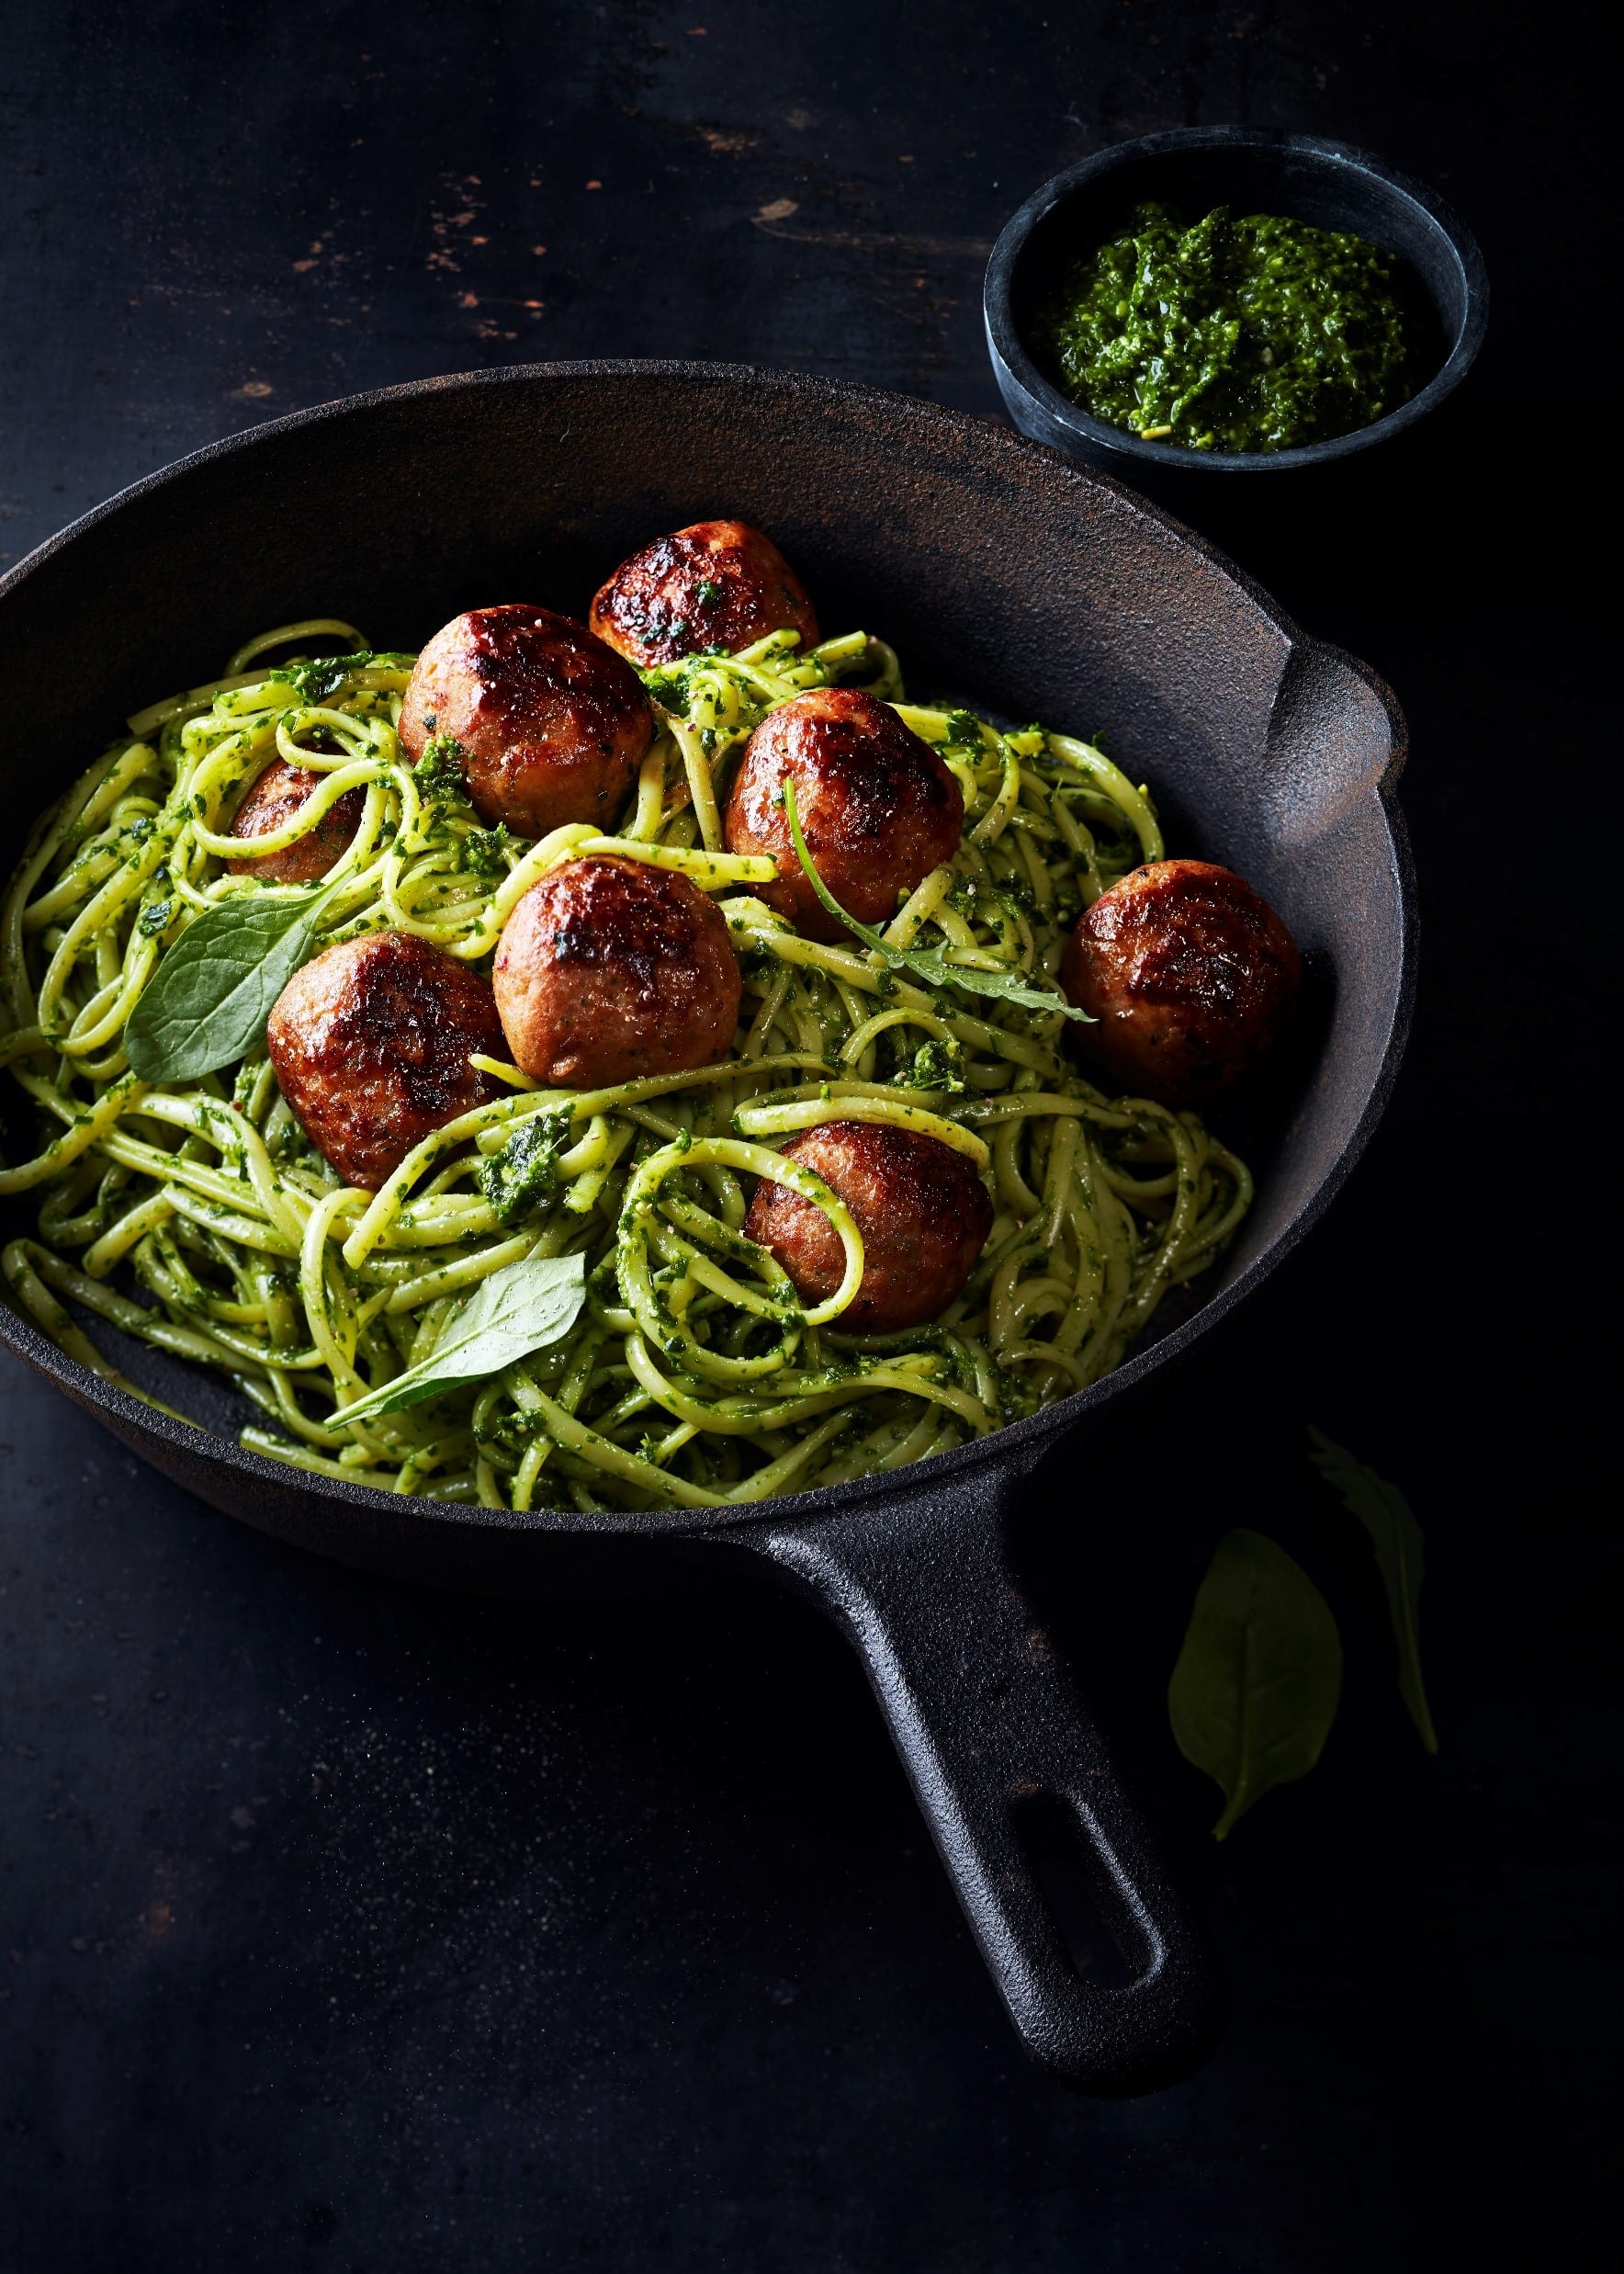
x=345, y=1928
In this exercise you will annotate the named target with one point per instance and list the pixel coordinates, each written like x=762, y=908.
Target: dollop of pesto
x=1257, y=333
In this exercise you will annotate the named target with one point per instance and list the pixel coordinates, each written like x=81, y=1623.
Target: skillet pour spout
x=1039, y=589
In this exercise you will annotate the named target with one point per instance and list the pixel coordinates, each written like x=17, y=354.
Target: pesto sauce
x=1261, y=334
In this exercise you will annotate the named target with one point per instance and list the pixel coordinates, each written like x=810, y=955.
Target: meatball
x=553, y=724
x=272, y=803
x=719, y=584
x=611, y=970
x=1191, y=974
x=370, y=1042
x=878, y=808
x=921, y=1206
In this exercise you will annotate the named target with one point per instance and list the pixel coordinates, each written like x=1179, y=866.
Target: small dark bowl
x=1193, y=169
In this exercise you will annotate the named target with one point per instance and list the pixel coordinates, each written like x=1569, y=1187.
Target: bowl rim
x=1019, y=1445
x=1014, y=365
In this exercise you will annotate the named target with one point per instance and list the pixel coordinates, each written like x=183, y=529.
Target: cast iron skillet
x=999, y=570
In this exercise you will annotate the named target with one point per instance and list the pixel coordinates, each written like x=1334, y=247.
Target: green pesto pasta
x=200, y=1219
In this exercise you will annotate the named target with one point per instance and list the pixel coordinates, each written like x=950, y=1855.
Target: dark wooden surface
x=345, y=1928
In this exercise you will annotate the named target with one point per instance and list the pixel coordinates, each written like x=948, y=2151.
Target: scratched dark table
x=350, y=1928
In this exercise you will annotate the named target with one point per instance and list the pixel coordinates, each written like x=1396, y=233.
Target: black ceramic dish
x=1194, y=169
x=994, y=568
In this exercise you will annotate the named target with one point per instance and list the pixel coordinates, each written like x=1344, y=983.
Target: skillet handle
x=1010, y=1773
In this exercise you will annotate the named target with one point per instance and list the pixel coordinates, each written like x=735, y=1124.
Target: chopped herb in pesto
x=525, y=1174
x=321, y=679
x=936, y=1066
x=484, y=852
x=1259, y=334
x=440, y=777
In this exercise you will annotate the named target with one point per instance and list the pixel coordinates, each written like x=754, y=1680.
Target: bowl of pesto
x=1223, y=300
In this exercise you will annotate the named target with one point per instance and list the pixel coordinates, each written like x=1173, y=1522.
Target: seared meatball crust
x=274, y=802
x=610, y=969
x=553, y=724
x=921, y=1206
x=714, y=584
x=370, y=1042
x=1192, y=975
x=878, y=809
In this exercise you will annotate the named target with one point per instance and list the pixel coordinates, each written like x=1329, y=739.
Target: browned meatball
x=370, y=1042
x=878, y=808
x=272, y=803
x=553, y=724
x=611, y=970
x=921, y=1206
x=716, y=584
x=1191, y=974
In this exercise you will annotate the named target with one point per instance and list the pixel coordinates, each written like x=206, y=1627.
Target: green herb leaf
x=1254, y=1690
x=1396, y=1537
x=923, y=962
x=207, y=1003
x=518, y=1309
x=526, y=1171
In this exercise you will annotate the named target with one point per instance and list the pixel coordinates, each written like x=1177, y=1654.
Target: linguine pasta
x=197, y=1218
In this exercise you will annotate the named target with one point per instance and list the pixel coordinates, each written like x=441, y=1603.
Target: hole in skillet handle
x=1103, y=1938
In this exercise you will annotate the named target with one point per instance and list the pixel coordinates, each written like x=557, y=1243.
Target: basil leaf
x=924, y=962
x=1254, y=1690
x=936, y=971
x=207, y=1004
x=1396, y=1537
x=518, y=1309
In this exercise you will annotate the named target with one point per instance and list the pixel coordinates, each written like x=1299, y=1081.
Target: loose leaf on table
x=1254, y=1690
x=517, y=1311
x=207, y=1003
x=1396, y=1537
x=925, y=963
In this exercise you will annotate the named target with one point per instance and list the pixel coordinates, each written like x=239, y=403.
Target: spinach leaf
x=1396, y=1537
x=518, y=1309
x=1254, y=1690
x=526, y=1171
x=207, y=1003
x=924, y=963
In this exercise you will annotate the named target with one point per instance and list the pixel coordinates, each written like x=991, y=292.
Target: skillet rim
x=1017, y=1447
